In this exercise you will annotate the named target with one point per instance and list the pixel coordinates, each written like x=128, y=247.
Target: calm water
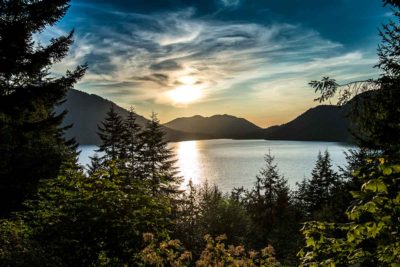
x=235, y=163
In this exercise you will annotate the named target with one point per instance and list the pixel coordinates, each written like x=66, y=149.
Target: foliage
x=163, y=253
x=215, y=253
x=371, y=237
x=262, y=215
x=85, y=221
x=205, y=210
x=16, y=246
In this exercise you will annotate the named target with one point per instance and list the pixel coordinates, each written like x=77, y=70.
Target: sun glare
x=185, y=94
x=188, y=80
x=189, y=162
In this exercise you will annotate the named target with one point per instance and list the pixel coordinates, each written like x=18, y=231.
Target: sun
x=188, y=80
x=185, y=94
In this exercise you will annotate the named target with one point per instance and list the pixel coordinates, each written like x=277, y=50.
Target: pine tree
x=133, y=145
x=268, y=200
x=96, y=164
x=32, y=146
x=271, y=190
x=158, y=159
x=320, y=189
x=112, y=132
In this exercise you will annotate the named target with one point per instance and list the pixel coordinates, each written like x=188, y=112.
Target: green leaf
x=397, y=199
x=387, y=171
x=350, y=237
x=310, y=242
x=375, y=185
x=356, y=173
x=396, y=168
x=355, y=194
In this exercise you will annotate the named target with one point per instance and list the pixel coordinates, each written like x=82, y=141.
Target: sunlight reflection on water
x=235, y=163
x=188, y=162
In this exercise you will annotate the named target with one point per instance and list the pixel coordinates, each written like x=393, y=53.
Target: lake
x=234, y=163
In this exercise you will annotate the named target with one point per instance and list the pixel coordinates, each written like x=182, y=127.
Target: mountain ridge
x=86, y=111
x=320, y=123
x=219, y=125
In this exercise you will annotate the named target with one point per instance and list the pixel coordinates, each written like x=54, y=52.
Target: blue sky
x=249, y=58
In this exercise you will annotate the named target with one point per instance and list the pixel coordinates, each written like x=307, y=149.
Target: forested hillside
x=322, y=123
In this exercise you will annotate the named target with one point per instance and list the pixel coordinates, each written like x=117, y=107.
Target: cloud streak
x=145, y=56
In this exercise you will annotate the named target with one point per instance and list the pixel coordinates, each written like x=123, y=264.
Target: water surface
x=235, y=163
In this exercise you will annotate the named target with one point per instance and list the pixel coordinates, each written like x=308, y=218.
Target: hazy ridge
x=322, y=123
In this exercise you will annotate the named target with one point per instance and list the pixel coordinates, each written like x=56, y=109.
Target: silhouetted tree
x=32, y=146
x=95, y=164
x=133, y=144
x=267, y=202
x=158, y=159
x=270, y=192
x=112, y=132
x=318, y=194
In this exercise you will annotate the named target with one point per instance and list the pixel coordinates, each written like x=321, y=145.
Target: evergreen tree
x=270, y=192
x=300, y=196
x=31, y=140
x=267, y=202
x=96, y=164
x=187, y=227
x=133, y=145
x=112, y=132
x=319, y=192
x=158, y=162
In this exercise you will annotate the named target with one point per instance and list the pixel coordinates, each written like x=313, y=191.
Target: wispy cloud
x=142, y=57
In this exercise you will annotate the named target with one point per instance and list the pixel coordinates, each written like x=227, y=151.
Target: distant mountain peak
x=219, y=126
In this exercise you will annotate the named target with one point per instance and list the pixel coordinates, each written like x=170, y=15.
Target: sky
x=247, y=58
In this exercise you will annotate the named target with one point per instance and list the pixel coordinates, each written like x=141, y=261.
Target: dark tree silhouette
x=31, y=142
x=318, y=193
x=133, y=145
x=111, y=132
x=158, y=158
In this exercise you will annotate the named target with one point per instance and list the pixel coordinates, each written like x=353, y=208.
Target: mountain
x=322, y=123
x=86, y=111
x=218, y=126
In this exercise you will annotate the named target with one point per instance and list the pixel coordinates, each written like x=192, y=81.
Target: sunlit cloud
x=175, y=58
